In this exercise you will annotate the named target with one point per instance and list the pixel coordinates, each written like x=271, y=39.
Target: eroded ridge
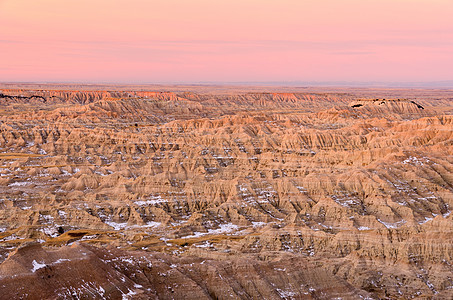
x=325, y=194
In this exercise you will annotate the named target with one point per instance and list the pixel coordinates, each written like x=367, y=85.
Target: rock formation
x=145, y=194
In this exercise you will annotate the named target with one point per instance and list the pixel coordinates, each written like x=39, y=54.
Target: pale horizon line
x=291, y=83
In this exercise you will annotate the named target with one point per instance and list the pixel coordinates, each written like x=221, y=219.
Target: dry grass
x=150, y=242
x=71, y=236
x=16, y=242
x=16, y=230
x=13, y=155
x=5, y=234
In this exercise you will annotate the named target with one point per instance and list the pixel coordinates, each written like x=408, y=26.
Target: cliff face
x=323, y=194
x=55, y=96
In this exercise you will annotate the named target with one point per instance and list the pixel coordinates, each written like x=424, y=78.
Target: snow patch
x=392, y=225
x=116, y=226
x=128, y=295
x=425, y=220
x=258, y=224
x=224, y=228
x=286, y=294
x=415, y=161
x=50, y=231
x=37, y=266
x=206, y=244
x=19, y=183
x=363, y=228
x=151, y=201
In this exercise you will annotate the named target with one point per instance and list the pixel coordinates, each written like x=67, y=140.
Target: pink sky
x=147, y=41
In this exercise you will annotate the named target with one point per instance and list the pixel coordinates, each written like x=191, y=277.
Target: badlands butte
x=225, y=193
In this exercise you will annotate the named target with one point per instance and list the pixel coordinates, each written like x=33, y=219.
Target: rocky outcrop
x=402, y=108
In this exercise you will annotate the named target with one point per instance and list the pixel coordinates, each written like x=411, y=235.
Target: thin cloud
x=353, y=53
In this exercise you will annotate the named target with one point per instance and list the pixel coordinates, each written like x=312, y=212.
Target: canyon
x=213, y=192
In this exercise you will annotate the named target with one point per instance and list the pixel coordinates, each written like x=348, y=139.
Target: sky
x=173, y=41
